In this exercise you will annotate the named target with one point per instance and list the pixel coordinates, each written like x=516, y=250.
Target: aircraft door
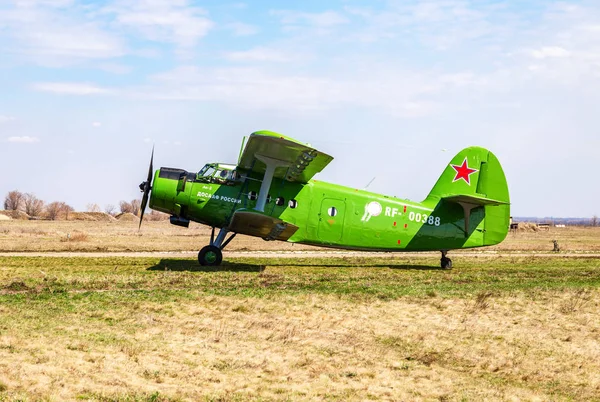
x=331, y=220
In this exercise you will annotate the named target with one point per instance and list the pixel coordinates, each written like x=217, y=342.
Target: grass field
x=40, y=236
x=148, y=329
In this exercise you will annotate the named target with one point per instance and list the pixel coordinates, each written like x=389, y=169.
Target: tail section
x=475, y=179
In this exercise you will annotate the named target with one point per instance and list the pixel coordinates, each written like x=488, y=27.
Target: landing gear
x=212, y=255
x=445, y=262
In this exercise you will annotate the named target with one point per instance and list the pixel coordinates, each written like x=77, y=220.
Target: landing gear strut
x=445, y=262
x=212, y=255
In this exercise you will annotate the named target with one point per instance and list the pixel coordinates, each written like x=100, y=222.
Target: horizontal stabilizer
x=474, y=200
x=256, y=224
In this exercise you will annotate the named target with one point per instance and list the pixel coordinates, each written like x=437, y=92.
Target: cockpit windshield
x=207, y=171
x=217, y=173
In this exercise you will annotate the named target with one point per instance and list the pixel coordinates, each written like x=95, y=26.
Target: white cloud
x=24, y=139
x=325, y=19
x=241, y=29
x=53, y=36
x=71, y=88
x=5, y=119
x=166, y=21
x=96, y=124
x=263, y=54
x=48, y=3
x=115, y=68
x=400, y=93
x=549, y=52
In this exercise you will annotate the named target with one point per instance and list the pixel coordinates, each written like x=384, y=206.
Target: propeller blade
x=145, y=187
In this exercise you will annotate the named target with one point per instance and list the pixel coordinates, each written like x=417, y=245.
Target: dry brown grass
x=119, y=235
x=571, y=239
x=114, y=235
x=309, y=347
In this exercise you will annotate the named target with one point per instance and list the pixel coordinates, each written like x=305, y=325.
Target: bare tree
x=67, y=209
x=594, y=220
x=13, y=200
x=33, y=205
x=93, y=208
x=135, y=207
x=57, y=209
x=53, y=210
x=125, y=207
x=110, y=209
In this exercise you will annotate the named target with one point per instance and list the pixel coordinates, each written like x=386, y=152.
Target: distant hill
x=556, y=221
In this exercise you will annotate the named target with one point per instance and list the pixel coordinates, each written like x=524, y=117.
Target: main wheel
x=210, y=255
x=446, y=263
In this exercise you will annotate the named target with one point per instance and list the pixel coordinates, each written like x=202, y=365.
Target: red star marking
x=463, y=172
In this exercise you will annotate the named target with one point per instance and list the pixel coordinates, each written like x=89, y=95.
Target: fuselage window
x=280, y=201
x=332, y=211
x=293, y=204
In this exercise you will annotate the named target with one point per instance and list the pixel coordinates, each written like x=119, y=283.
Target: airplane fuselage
x=328, y=214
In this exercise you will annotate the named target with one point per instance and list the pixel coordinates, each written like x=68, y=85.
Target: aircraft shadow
x=172, y=264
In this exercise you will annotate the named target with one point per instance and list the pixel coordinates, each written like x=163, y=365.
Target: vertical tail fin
x=474, y=178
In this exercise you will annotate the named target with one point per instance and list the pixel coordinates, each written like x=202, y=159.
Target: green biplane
x=270, y=193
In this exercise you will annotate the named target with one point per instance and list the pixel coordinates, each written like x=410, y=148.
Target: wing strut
x=272, y=164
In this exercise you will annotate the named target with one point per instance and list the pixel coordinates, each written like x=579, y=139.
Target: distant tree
x=125, y=207
x=93, y=208
x=594, y=220
x=67, y=209
x=58, y=209
x=33, y=205
x=110, y=209
x=13, y=200
x=53, y=210
x=135, y=207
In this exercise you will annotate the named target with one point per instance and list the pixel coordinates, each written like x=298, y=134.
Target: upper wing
x=299, y=162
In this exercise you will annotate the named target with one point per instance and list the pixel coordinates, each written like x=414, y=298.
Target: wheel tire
x=210, y=256
x=446, y=263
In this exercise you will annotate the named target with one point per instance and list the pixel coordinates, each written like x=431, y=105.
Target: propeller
x=145, y=187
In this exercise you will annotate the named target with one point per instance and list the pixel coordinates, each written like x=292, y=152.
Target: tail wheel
x=210, y=256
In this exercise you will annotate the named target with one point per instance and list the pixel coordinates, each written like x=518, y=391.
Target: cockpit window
x=203, y=170
x=215, y=173
x=207, y=171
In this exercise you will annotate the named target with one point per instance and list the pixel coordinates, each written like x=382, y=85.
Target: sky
x=391, y=89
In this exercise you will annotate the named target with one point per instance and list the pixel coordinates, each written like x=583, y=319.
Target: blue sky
x=391, y=89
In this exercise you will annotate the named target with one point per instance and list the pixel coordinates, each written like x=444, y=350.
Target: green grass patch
x=113, y=279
